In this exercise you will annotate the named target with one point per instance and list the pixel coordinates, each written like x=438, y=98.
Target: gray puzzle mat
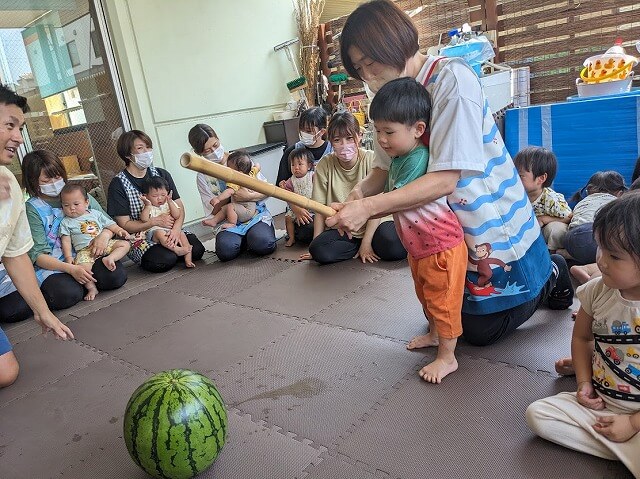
x=134, y=318
x=304, y=289
x=67, y=421
x=44, y=360
x=221, y=280
x=252, y=451
x=210, y=341
x=535, y=345
x=317, y=381
x=472, y=425
x=334, y=468
x=387, y=306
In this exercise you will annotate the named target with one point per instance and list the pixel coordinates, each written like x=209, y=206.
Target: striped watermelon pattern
x=175, y=424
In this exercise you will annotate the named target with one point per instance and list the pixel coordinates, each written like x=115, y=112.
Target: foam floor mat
x=317, y=381
x=134, y=318
x=535, y=345
x=387, y=306
x=304, y=289
x=68, y=420
x=210, y=341
x=471, y=425
x=222, y=280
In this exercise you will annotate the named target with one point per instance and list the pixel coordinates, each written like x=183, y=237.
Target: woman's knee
x=386, y=243
x=158, y=259
x=107, y=280
x=228, y=245
x=322, y=252
x=9, y=369
x=61, y=291
x=197, y=251
x=13, y=308
x=261, y=239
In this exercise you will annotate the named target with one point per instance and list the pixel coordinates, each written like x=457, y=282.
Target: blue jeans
x=580, y=244
x=260, y=239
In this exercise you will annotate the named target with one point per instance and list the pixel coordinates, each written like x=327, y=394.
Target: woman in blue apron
x=61, y=283
x=256, y=235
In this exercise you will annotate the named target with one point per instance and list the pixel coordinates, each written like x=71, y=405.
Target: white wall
x=184, y=62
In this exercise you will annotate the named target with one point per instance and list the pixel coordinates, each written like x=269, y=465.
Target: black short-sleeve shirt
x=117, y=200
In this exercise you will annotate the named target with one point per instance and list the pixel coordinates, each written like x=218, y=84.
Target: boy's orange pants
x=439, y=282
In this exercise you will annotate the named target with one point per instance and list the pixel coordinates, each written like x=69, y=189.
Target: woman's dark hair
x=343, y=125
x=199, y=135
x=9, y=97
x=617, y=223
x=155, y=183
x=314, y=117
x=301, y=152
x=126, y=141
x=635, y=185
x=537, y=160
x=37, y=162
x=403, y=100
x=241, y=160
x=609, y=181
x=71, y=187
x=382, y=32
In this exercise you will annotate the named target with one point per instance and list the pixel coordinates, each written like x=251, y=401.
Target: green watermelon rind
x=189, y=430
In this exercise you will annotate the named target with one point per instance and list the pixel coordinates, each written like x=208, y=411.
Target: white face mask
x=216, y=155
x=52, y=189
x=143, y=160
x=307, y=139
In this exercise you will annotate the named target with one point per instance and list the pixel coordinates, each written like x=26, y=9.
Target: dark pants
x=329, y=247
x=159, y=259
x=303, y=233
x=61, y=291
x=260, y=239
x=482, y=330
x=581, y=244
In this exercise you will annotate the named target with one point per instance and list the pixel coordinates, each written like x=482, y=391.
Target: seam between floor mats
x=71, y=316
x=103, y=355
x=372, y=471
x=279, y=430
x=537, y=372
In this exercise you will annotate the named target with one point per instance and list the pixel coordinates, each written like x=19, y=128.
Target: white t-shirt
x=616, y=329
x=489, y=200
x=15, y=235
x=585, y=211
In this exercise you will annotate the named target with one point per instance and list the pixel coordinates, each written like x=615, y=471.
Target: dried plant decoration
x=308, y=14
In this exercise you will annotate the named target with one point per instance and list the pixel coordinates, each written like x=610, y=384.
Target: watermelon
x=175, y=424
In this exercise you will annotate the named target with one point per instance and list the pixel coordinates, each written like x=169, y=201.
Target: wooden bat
x=197, y=163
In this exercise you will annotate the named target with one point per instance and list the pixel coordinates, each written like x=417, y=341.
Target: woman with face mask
x=61, y=283
x=258, y=235
x=470, y=172
x=312, y=130
x=336, y=175
x=124, y=204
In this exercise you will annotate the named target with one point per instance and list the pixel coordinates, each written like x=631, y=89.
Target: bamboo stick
x=197, y=163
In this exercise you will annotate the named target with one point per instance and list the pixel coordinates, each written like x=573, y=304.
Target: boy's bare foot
x=438, y=369
x=226, y=226
x=564, y=367
x=424, y=341
x=210, y=222
x=290, y=242
x=92, y=291
x=109, y=263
